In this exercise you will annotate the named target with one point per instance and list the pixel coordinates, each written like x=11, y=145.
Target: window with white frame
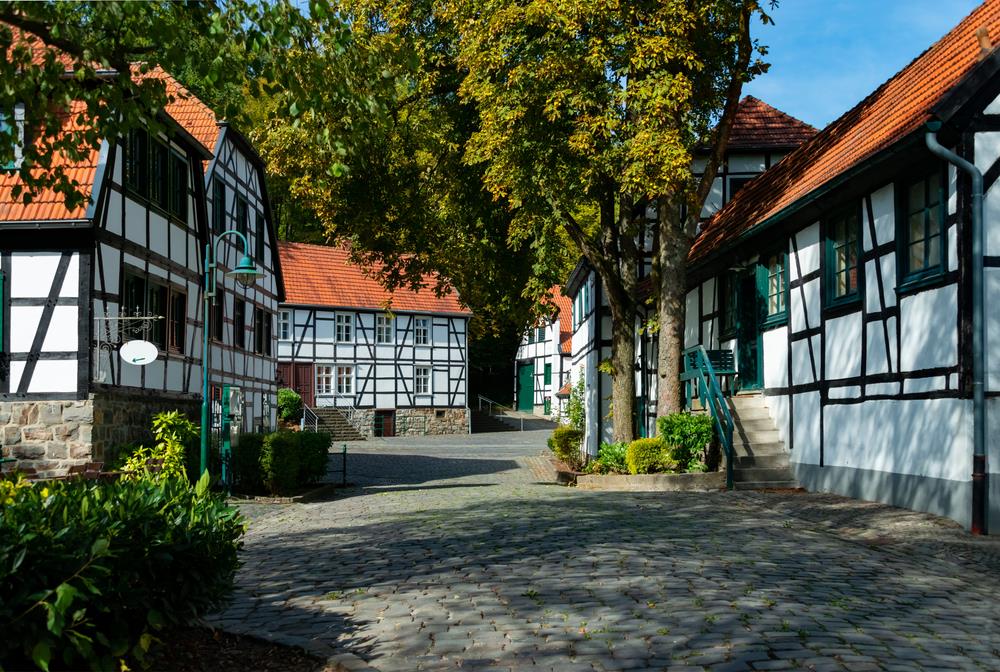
x=421, y=330
x=345, y=327
x=284, y=325
x=422, y=380
x=383, y=329
x=324, y=380
x=345, y=380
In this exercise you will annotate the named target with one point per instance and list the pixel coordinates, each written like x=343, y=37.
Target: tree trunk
x=623, y=377
x=674, y=245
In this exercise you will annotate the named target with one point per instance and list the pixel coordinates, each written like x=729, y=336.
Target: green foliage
x=247, y=474
x=289, y=405
x=174, y=434
x=90, y=572
x=314, y=456
x=687, y=437
x=565, y=443
x=611, y=459
x=279, y=462
x=576, y=406
x=648, y=456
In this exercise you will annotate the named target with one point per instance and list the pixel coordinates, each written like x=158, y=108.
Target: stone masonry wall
x=52, y=436
x=436, y=421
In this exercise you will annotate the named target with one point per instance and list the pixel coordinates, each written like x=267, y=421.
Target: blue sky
x=826, y=55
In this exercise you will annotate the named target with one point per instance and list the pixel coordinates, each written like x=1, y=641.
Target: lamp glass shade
x=246, y=272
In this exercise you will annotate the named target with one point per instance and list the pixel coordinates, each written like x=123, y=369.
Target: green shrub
x=314, y=455
x=565, y=443
x=90, y=571
x=173, y=433
x=576, y=408
x=289, y=405
x=688, y=437
x=610, y=459
x=279, y=462
x=247, y=474
x=648, y=456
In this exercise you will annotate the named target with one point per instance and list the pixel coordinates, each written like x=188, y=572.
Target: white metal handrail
x=493, y=406
x=309, y=421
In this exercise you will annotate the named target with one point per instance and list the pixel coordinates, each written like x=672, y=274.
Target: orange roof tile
x=564, y=311
x=49, y=205
x=758, y=125
x=565, y=390
x=893, y=111
x=319, y=275
x=186, y=109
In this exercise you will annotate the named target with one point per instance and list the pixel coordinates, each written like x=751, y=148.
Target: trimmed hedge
x=290, y=460
x=648, y=456
x=247, y=474
x=565, y=443
x=289, y=405
x=314, y=456
x=90, y=571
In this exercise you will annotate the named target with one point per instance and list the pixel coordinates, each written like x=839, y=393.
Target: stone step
x=763, y=474
x=778, y=461
x=753, y=424
x=767, y=485
x=773, y=448
x=745, y=401
x=755, y=437
x=751, y=413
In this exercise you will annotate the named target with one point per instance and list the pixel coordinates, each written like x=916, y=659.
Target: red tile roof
x=565, y=391
x=564, y=312
x=49, y=205
x=893, y=111
x=320, y=275
x=186, y=109
x=758, y=125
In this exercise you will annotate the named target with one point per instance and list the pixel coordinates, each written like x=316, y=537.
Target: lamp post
x=246, y=274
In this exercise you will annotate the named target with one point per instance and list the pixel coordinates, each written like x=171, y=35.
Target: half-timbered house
x=761, y=137
x=542, y=366
x=393, y=363
x=127, y=264
x=843, y=279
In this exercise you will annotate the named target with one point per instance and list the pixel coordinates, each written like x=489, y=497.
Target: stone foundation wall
x=52, y=436
x=413, y=421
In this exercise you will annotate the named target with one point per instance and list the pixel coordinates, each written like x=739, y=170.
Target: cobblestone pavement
x=457, y=554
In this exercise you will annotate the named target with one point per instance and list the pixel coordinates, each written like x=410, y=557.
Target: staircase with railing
x=700, y=374
x=755, y=455
x=492, y=416
x=332, y=420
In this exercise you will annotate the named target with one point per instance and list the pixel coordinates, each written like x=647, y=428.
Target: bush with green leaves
x=90, y=572
x=576, y=407
x=314, y=456
x=247, y=474
x=688, y=437
x=648, y=456
x=610, y=459
x=174, y=433
x=565, y=443
x=279, y=462
x=289, y=405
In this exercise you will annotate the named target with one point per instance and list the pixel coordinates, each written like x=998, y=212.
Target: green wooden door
x=526, y=387
x=749, y=342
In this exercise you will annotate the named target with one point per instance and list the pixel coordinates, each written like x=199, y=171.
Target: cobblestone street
x=457, y=553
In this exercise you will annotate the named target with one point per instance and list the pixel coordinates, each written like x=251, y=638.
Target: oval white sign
x=139, y=353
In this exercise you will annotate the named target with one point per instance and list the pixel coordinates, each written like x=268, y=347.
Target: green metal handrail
x=698, y=370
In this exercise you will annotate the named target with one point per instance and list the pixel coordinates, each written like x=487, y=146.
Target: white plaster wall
x=987, y=149
x=843, y=347
x=929, y=329
x=776, y=357
x=806, y=428
x=692, y=327
x=991, y=291
x=930, y=437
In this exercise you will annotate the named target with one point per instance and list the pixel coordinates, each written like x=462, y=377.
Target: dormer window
x=13, y=130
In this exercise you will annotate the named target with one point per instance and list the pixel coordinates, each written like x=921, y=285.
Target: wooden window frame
x=830, y=245
x=324, y=373
x=932, y=273
x=284, y=325
x=179, y=183
x=547, y=374
x=428, y=389
x=382, y=323
x=764, y=275
x=343, y=328
x=218, y=205
x=348, y=371
x=426, y=330
x=728, y=310
x=261, y=230
x=218, y=321
x=242, y=216
x=176, y=324
x=239, y=323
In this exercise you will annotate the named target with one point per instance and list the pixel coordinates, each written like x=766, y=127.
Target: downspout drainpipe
x=978, y=329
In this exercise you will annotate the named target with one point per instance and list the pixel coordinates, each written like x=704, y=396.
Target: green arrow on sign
x=138, y=359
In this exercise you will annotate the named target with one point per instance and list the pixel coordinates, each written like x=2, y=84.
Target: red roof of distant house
x=320, y=275
x=564, y=310
x=893, y=111
x=758, y=125
x=565, y=390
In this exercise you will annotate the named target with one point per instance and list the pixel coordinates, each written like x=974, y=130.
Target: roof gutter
x=978, y=328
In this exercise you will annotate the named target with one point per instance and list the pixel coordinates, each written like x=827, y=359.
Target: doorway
x=526, y=387
x=748, y=334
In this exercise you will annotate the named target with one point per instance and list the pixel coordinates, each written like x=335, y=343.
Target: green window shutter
x=548, y=406
x=548, y=374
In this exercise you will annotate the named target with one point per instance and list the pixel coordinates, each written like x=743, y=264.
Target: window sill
x=913, y=285
x=842, y=307
x=774, y=321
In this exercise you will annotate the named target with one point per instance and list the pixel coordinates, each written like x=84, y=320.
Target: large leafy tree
x=596, y=107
